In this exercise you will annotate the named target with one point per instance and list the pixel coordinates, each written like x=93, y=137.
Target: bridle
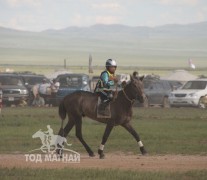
x=127, y=97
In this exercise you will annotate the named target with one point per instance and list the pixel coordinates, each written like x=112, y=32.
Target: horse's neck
x=121, y=98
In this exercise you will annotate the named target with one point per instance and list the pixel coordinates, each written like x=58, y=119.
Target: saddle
x=103, y=109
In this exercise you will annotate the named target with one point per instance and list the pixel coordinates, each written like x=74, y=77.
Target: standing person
x=38, y=101
x=45, y=90
x=54, y=89
x=55, y=86
x=107, y=79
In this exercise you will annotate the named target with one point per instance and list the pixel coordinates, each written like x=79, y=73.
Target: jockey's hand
x=123, y=84
x=114, y=79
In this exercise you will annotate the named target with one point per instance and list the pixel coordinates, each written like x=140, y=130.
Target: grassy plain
x=163, y=131
x=46, y=70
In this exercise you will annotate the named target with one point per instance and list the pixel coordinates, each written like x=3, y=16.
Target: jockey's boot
x=103, y=107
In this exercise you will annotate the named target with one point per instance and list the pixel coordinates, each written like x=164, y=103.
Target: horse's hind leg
x=78, y=125
x=131, y=130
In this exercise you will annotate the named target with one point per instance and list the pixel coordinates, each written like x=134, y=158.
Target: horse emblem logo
x=50, y=142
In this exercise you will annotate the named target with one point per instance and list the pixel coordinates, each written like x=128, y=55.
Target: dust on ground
x=115, y=161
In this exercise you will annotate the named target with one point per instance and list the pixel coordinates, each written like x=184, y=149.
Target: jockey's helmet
x=111, y=62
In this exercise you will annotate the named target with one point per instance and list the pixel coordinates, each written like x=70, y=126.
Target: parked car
x=158, y=91
x=0, y=99
x=14, y=91
x=190, y=94
x=70, y=83
x=93, y=82
x=30, y=80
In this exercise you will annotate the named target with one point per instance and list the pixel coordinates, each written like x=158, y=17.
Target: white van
x=191, y=94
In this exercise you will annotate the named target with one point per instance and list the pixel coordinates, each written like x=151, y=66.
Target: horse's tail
x=62, y=110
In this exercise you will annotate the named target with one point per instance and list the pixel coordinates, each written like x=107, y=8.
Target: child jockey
x=107, y=79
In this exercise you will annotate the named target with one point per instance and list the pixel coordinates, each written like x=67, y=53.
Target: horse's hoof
x=101, y=154
x=91, y=154
x=143, y=150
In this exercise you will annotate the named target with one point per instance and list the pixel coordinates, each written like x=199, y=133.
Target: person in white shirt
x=43, y=88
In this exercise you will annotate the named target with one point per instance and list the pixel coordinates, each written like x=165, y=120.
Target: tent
x=56, y=73
x=179, y=75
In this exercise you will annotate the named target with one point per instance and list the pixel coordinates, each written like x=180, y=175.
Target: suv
x=13, y=88
x=70, y=83
x=190, y=94
x=157, y=92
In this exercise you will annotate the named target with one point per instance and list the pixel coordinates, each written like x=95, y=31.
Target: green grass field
x=163, y=131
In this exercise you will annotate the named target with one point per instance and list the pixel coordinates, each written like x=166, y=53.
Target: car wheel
x=146, y=103
x=166, y=102
x=201, y=103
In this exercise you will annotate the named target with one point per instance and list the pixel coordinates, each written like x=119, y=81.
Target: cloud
x=111, y=6
x=78, y=19
x=23, y=22
x=81, y=20
x=201, y=16
x=18, y=3
x=107, y=20
x=179, y=2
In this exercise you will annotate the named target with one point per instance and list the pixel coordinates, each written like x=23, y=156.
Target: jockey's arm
x=106, y=80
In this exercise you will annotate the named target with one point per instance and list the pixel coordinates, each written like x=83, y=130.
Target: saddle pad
x=103, y=111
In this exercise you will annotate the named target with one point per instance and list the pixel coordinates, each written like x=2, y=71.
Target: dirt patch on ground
x=115, y=161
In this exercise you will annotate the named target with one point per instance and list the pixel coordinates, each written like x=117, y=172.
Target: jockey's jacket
x=105, y=81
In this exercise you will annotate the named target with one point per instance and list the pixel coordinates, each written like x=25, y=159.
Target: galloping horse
x=82, y=103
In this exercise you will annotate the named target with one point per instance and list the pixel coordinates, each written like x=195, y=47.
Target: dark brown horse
x=82, y=103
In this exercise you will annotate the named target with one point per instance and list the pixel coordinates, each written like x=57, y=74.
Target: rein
x=130, y=100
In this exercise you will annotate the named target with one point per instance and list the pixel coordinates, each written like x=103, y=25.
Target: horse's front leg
x=131, y=130
x=107, y=132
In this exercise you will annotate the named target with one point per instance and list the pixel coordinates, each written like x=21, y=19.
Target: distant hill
x=176, y=30
x=168, y=42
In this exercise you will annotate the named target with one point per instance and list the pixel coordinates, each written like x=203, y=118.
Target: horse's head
x=37, y=134
x=136, y=88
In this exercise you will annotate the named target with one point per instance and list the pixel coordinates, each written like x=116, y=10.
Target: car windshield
x=33, y=80
x=195, y=85
x=70, y=81
x=10, y=80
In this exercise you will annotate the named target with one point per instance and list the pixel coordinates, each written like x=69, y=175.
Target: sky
x=39, y=15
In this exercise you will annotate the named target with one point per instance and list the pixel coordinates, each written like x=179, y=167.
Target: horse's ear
x=131, y=78
x=141, y=78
